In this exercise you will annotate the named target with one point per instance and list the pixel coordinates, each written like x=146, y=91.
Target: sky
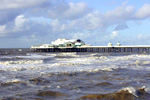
x=30, y=22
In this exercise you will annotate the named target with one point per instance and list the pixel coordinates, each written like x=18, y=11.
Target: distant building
x=62, y=43
x=118, y=44
x=68, y=42
x=110, y=44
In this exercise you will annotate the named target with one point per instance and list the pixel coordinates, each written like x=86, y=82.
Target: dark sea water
x=25, y=75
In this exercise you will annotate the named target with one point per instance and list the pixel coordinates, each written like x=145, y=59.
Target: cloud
x=143, y=12
x=18, y=25
x=121, y=27
x=92, y=21
x=10, y=9
x=121, y=13
x=142, y=39
x=59, y=26
x=19, y=22
x=2, y=30
x=114, y=34
x=119, y=17
x=96, y=20
x=142, y=36
x=60, y=12
x=8, y=15
x=17, y=4
x=72, y=17
x=59, y=18
x=68, y=10
x=81, y=35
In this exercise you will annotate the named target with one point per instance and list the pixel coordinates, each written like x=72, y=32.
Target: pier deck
x=97, y=49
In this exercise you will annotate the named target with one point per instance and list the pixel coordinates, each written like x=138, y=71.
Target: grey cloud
x=121, y=27
x=68, y=11
x=10, y=9
x=8, y=15
x=14, y=27
x=16, y=4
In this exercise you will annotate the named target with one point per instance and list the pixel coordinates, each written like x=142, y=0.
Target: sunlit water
x=25, y=75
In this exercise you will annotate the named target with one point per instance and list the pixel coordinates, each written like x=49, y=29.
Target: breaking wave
x=22, y=62
x=128, y=93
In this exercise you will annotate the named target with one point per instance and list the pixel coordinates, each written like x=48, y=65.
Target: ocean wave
x=25, y=57
x=51, y=94
x=84, y=60
x=140, y=62
x=136, y=92
x=22, y=62
x=128, y=93
x=128, y=57
x=143, y=55
x=68, y=64
x=130, y=90
x=35, y=57
x=89, y=63
x=11, y=83
x=66, y=55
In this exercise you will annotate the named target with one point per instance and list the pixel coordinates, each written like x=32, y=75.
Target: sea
x=26, y=75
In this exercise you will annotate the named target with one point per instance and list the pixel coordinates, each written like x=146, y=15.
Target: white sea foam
x=83, y=63
x=71, y=54
x=22, y=62
x=14, y=80
x=28, y=56
x=92, y=62
x=133, y=90
x=141, y=62
x=35, y=57
x=130, y=90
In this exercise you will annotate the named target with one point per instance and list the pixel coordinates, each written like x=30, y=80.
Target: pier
x=77, y=45
x=96, y=49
